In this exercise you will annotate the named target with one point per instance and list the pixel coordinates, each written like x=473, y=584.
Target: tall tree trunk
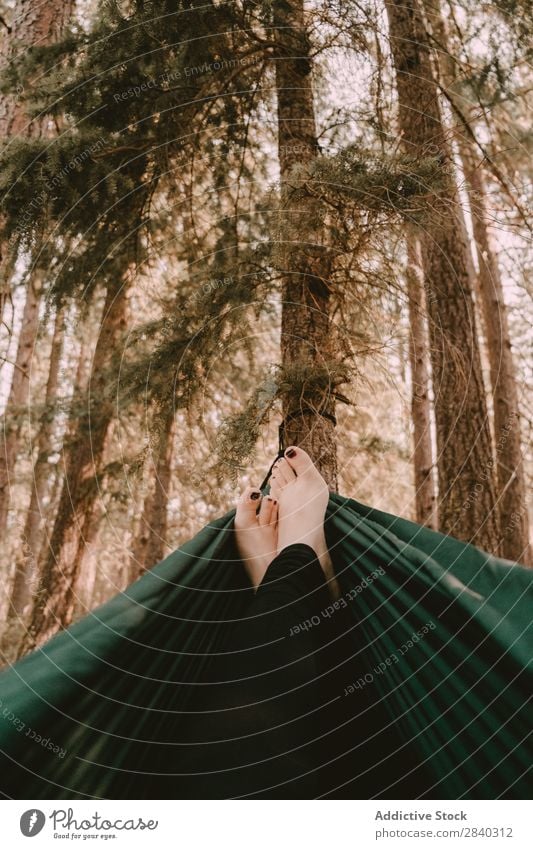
x=18, y=397
x=80, y=382
x=425, y=498
x=27, y=555
x=511, y=490
x=306, y=327
x=514, y=519
x=467, y=496
x=32, y=24
x=85, y=577
x=54, y=601
x=149, y=546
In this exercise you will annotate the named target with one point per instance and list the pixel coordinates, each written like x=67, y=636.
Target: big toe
x=246, y=512
x=301, y=462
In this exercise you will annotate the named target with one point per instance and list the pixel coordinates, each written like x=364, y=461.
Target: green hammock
x=96, y=712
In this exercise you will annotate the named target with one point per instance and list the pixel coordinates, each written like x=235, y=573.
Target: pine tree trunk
x=149, y=546
x=54, y=602
x=514, y=519
x=83, y=583
x=425, y=499
x=27, y=555
x=306, y=339
x=18, y=397
x=32, y=24
x=511, y=487
x=80, y=382
x=467, y=496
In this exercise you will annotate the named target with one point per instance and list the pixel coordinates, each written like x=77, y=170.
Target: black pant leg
x=259, y=737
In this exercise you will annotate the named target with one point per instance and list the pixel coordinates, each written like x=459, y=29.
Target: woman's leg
x=302, y=496
x=267, y=717
x=260, y=734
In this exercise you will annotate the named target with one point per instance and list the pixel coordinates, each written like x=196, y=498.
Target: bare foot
x=256, y=534
x=302, y=495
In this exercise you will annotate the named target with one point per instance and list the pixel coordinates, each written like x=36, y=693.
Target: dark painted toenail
x=291, y=452
x=255, y=495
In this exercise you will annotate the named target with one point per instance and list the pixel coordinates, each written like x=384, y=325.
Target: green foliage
x=239, y=433
x=311, y=381
x=126, y=95
x=75, y=181
x=355, y=179
x=168, y=359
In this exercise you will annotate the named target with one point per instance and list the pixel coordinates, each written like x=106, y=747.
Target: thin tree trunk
x=7, y=307
x=83, y=582
x=31, y=535
x=80, y=382
x=306, y=327
x=54, y=602
x=514, y=519
x=18, y=397
x=467, y=496
x=91, y=567
x=149, y=546
x=511, y=490
x=425, y=497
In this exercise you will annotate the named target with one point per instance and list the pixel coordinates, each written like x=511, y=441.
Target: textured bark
x=467, y=496
x=18, y=397
x=425, y=497
x=511, y=487
x=32, y=24
x=85, y=574
x=306, y=337
x=511, y=491
x=27, y=554
x=54, y=601
x=80, y=384
x=149, y=546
